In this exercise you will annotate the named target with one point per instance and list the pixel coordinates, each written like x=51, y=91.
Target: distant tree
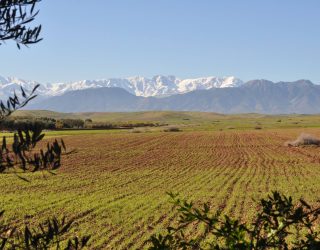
x=15, y=18
x=72, y=123
x=59, y=124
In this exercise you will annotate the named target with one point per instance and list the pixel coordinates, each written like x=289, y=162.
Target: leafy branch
x=15, y=17
x=15, y=102
x=279, y=224
x=50, y=234
x=23, y=154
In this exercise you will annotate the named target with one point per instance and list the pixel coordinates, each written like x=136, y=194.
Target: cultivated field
x=115, y=185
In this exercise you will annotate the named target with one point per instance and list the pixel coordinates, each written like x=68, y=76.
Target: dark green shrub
x=172, y=129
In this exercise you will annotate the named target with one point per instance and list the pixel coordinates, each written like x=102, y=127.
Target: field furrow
x=115, y=185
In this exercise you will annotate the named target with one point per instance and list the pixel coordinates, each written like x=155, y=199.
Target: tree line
x=19, y=122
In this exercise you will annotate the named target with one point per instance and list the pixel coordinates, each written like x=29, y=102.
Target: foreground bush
x=279, y=224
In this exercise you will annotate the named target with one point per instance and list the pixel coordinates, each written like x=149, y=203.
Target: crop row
x=115, y=185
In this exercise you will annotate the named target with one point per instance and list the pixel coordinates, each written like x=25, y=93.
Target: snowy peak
x=10, y=84
x=140, y=86
x=188, y=85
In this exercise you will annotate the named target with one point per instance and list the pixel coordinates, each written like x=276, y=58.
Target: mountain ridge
x=140, y=86
x=257, y=96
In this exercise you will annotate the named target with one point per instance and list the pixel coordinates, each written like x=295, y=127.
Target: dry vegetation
x=303, y=140
x=115, y=185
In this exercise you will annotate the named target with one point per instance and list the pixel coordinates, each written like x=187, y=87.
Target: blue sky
x=250, y=39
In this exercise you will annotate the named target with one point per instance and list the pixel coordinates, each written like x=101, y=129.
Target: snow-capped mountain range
x=139, y=86
x=209, y=94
